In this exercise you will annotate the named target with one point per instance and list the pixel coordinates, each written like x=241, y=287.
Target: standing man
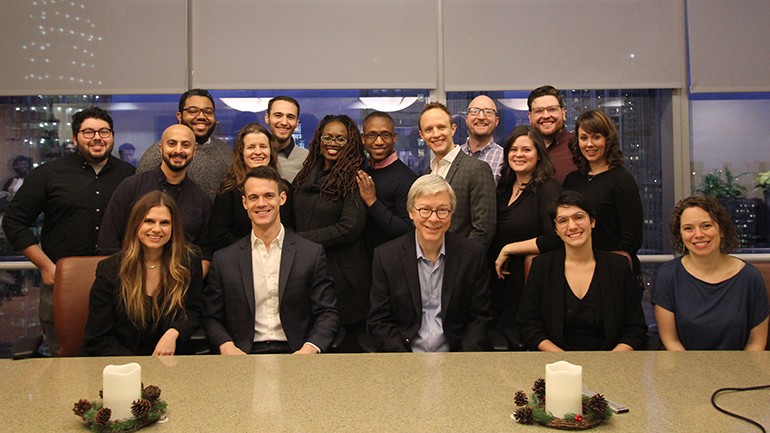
x=270, y=292
x=196, y=110
x=282, y=117
x=384, y=185
x=547, y=114
x=481, y=119
x=72, y=193
x=429, y=287
x=471, y=179
x=177, y=148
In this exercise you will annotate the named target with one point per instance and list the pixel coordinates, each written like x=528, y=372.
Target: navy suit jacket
x=396, y=313
x=307, y=305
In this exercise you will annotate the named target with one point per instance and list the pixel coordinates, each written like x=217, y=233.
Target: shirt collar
x=420, y=255
x=484, y=149
x=277, y=242
x=393, y=157
x=286, y=151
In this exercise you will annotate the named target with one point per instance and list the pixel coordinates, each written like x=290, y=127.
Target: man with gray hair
x=430, y=287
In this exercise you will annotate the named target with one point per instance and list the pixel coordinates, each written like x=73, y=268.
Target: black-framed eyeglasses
x=327, y=139
x=194, y=111
x=91, y=133
x=552, y=110
x=426, y=212
x=489, y=112
x=371, y=137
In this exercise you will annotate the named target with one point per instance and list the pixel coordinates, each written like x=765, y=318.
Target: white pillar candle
x=563, y=388
x=121, y=386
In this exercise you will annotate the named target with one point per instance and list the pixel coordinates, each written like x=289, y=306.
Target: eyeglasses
x=577, y=217
x=425, y=212
x=91, y=133
x=194, y=111
x=489, y=112
x=371, y=137
x=553, y=109
x=327, y=139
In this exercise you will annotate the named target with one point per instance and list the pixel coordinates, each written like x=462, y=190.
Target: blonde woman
x=146, y=299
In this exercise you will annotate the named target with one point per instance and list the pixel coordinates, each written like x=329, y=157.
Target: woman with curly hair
x=328, y=210
x=524, y=193
x=609, y=187
x=707, y=299
x=254, y=146
x=146, y=299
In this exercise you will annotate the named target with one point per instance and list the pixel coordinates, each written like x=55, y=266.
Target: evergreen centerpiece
x=147, y=410
x=595, y=410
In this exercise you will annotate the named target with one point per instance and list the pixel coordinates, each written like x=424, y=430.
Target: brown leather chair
x=764, y=268
x=71, y=288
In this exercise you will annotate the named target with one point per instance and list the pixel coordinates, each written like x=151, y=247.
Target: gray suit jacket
x=307, y=304
x=474, y=186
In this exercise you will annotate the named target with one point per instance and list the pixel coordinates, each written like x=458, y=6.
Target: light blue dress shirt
x=430, y=337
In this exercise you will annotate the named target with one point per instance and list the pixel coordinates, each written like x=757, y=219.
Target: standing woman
x=609, y=187
x=707, y=299
x=254, y=146
x=328, y=210
x=146, y=299
x=524, y=194
x=579, y=297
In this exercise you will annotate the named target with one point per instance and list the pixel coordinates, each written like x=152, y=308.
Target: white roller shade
x=92, y=46
x=586, y=44
x=729, y=45
x=314, y=44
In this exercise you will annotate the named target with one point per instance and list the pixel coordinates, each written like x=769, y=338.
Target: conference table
x=450, y=392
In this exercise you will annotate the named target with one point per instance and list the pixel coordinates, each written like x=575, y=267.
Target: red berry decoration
x=578, y=418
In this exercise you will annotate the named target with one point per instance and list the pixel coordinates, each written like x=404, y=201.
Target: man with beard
x=196, y=110
x=71, y=193
x=177, y=148
x=481, y=119
x=282, y=118
x=547, y=115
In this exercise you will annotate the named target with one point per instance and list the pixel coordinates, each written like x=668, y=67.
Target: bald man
x=481, y=119
x=177, y=148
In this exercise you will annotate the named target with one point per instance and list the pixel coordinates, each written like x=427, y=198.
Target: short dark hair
x=263, y=172
x=381, y=115
x=593, y=122
x=546, y=90
x=718, y=214
x=431, y=106
x=195, y=92
x=282, y=98
x=89, y=113
x=571, y=198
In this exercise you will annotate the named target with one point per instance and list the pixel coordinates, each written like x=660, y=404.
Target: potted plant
x=724, y=186
x=762, y=181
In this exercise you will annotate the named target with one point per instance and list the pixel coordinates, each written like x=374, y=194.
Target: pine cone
x=523, y=415
x=81, y=407
x=140, y=408
x=539, y=389
x=520, y=398
x=598, y=405
x=151, y=393
x=103, y=416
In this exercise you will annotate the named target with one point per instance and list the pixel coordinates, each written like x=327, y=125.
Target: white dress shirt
x=266, y=266
x=442, y=167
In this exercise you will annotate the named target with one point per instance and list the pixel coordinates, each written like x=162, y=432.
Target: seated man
x=270, y=292
x=430, y=287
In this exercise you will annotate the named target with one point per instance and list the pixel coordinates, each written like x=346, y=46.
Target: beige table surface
x=473, y=392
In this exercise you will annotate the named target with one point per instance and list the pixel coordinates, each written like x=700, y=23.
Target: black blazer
x=306, y=295
x=541, y=312
x=396, y=312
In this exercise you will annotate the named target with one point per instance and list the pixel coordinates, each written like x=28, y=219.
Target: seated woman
x=706, y=299
x=578, y=297
x=524, y=194
x=254, y=146
x=146, y=299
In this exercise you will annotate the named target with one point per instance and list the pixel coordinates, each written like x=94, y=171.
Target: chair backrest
x=71, y=288
x=528, y=262
x=764, y=268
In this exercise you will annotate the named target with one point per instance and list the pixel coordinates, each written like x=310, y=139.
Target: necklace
x=152, y=266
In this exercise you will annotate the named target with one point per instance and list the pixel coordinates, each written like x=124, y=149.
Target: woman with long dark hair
x=146, y=299
x=524, y=193
x=328, y=210
x=254, y=146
